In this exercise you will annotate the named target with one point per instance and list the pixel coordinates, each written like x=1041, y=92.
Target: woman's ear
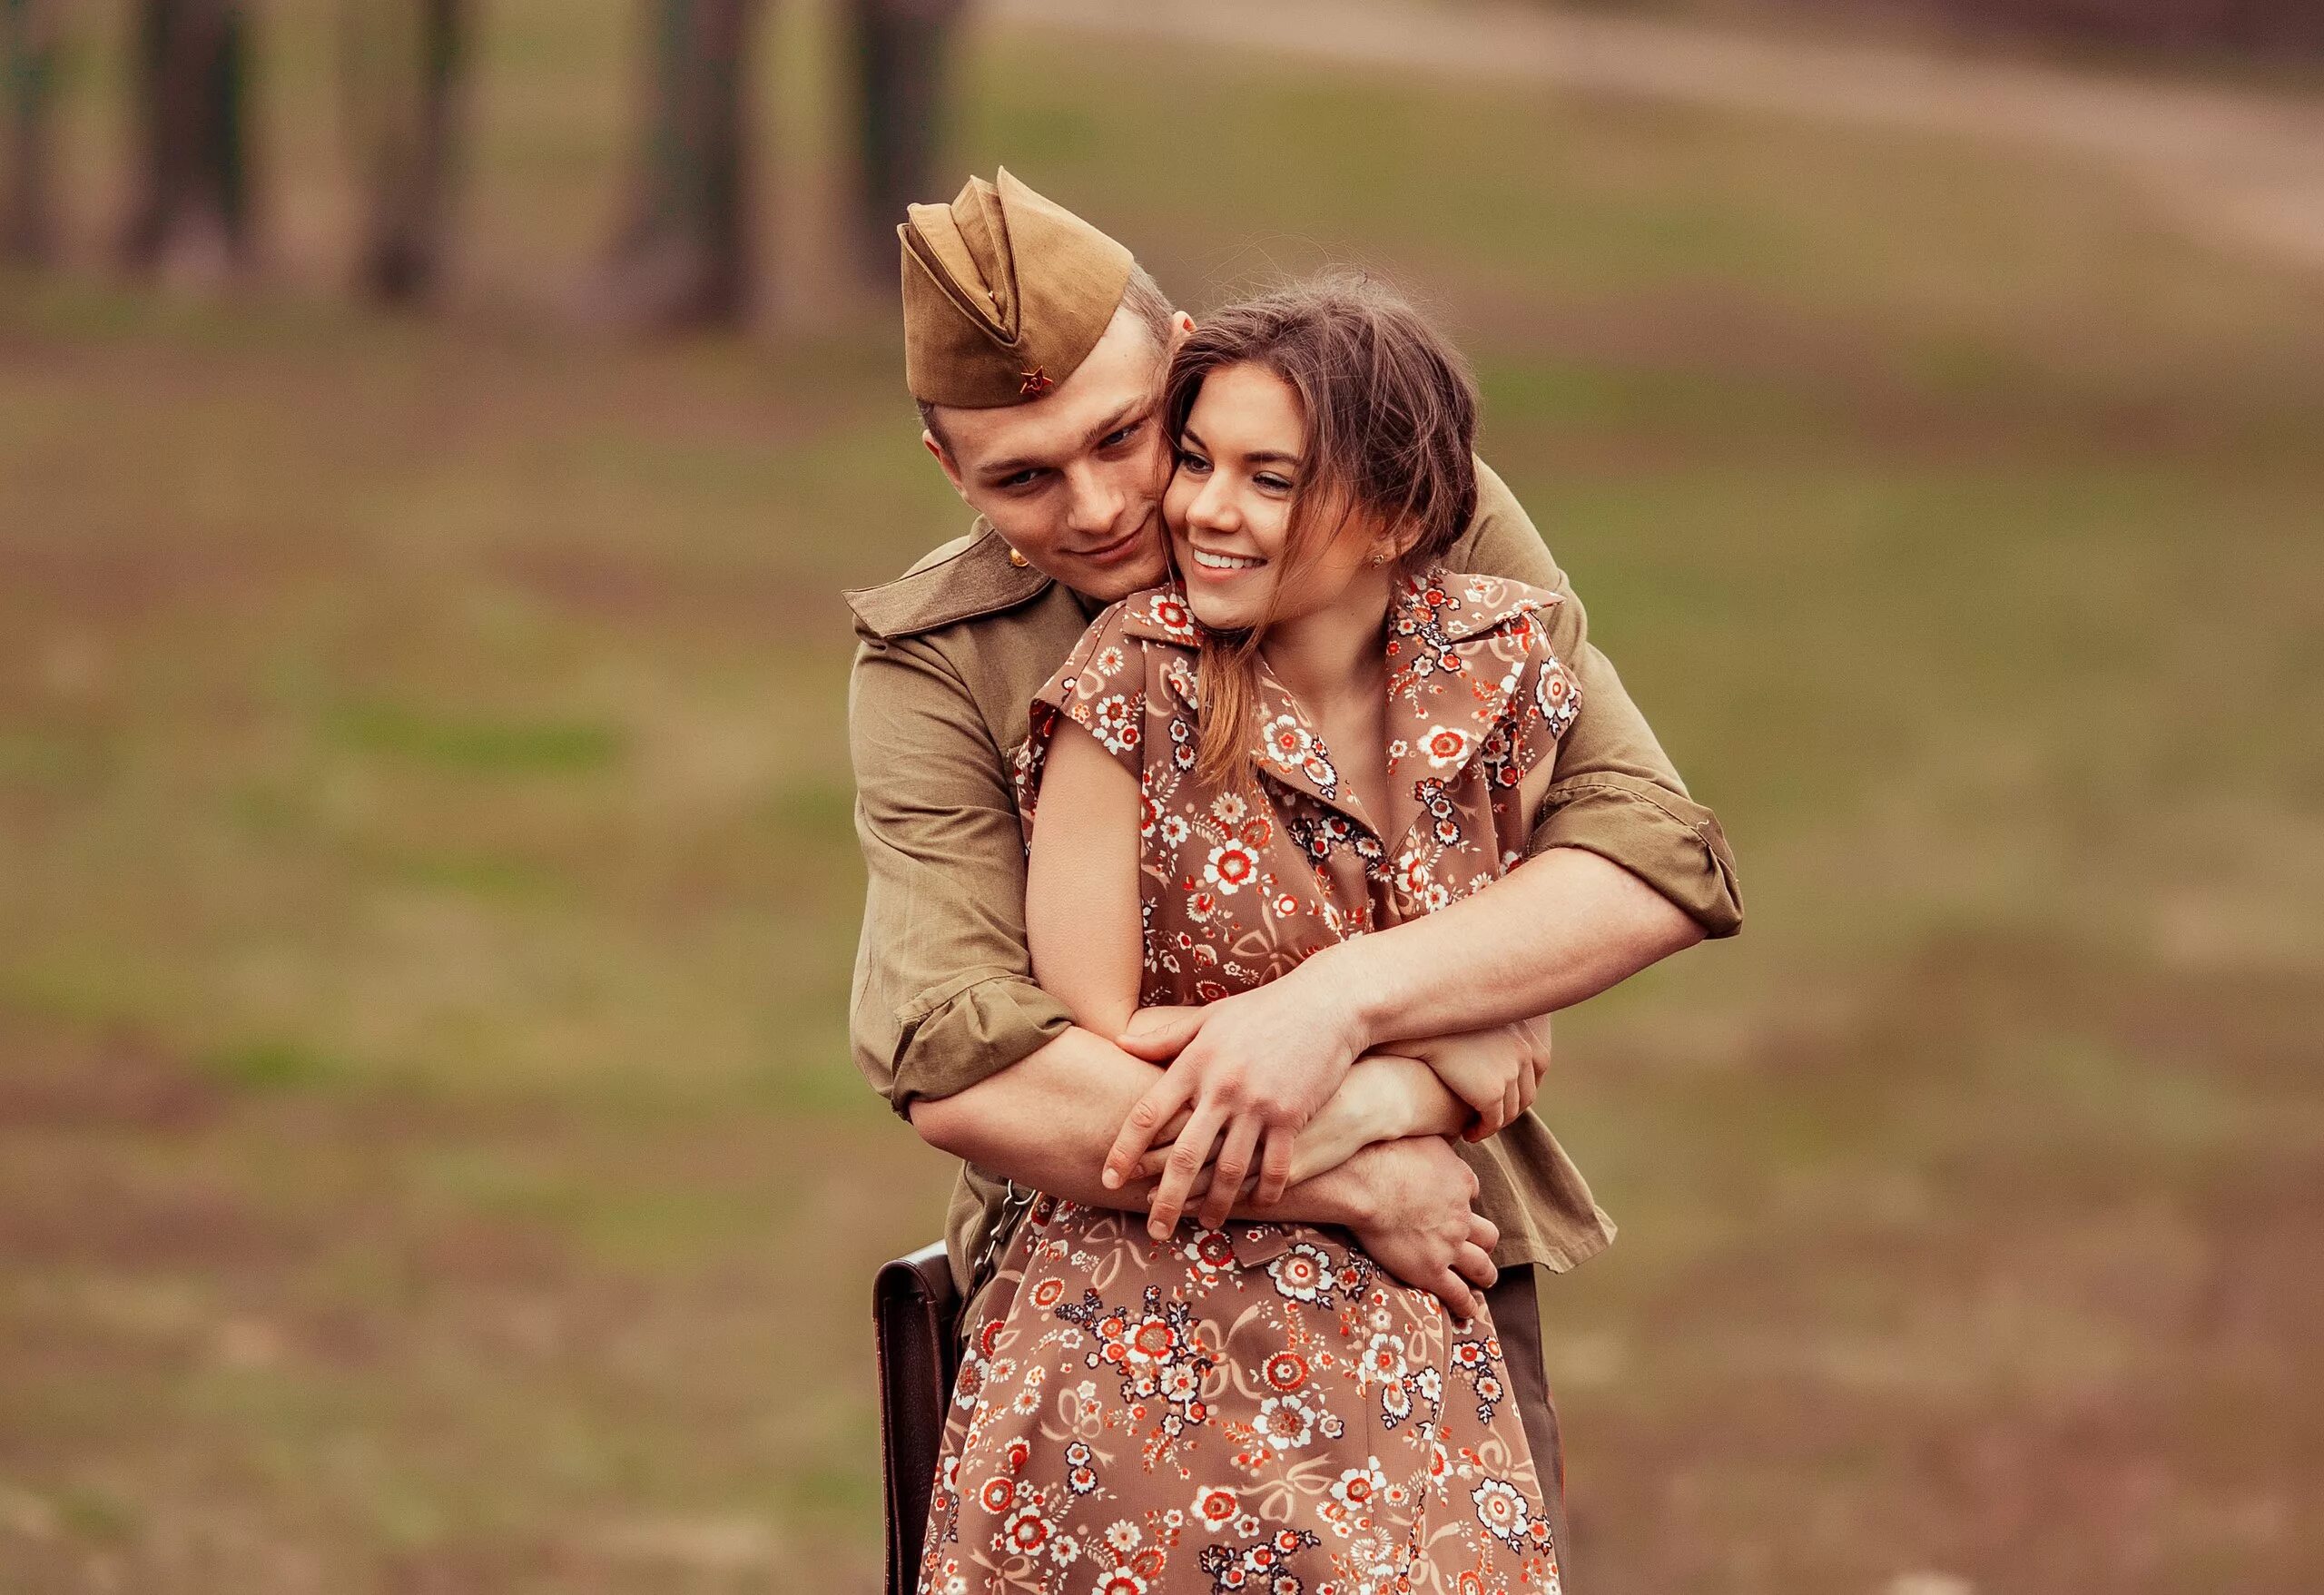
x=1396, y=544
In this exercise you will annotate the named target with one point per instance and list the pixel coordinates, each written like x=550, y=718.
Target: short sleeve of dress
x=1101, y=688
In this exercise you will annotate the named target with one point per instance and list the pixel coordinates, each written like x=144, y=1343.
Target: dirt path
x=2242, y=166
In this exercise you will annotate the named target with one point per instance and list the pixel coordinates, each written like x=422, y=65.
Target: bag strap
x=1004, y=1224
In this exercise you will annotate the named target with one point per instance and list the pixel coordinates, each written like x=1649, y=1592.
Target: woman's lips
x=1197, y=570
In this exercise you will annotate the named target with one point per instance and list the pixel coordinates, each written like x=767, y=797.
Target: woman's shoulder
x=1443, y=610
x=1451, y=625
x=1156, y=615
x=1124, y=647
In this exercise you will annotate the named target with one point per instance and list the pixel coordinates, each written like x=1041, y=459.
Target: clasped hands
x=1264, y=1089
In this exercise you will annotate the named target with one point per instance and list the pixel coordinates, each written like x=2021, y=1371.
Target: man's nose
x=1096, y=503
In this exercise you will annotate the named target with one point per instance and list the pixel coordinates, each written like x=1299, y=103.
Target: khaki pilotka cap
x=1005, y=294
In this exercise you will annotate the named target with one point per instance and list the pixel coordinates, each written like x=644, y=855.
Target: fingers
x=1275, y=1166
x=1476, y=1266
x=1454, y=1291
x=1146, y=1116
x=1150, y=1162
x=1483, y=1234
x=1159, y=1034
x=1186, y=1158
x=1490, y=1121
x=1234, y=1163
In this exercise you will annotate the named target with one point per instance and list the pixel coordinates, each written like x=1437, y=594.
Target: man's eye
x=1121, y=435
x=1019, y=479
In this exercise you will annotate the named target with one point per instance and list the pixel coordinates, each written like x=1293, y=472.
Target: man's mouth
x=1105, y=553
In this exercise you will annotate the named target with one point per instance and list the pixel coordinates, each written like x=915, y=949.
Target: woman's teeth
x=1226, y=561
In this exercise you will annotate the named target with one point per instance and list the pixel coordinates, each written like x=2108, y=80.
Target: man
x=1035, y=348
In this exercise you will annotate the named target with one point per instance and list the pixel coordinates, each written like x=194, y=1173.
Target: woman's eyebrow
x=1257, y=456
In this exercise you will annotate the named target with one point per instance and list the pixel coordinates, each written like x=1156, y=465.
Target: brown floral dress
x=1259, y=1407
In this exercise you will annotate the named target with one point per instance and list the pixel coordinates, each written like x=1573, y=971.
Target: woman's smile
x=1220, y=567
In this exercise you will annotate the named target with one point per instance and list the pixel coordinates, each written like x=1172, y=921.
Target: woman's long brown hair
x=1390, y=413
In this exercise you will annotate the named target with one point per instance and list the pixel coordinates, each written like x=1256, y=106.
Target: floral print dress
x=1259, y=1407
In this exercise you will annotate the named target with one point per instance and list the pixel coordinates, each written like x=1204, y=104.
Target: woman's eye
x=1192, y=462
x=1273, y=483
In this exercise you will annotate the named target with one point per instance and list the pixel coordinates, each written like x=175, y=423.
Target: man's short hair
x=1142, y=297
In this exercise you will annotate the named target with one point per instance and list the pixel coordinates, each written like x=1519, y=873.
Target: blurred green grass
x=429, y=1158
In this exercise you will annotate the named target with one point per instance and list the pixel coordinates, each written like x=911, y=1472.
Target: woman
x=1312, y=732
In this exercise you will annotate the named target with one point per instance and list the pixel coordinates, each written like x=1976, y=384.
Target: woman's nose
x=1214, y=507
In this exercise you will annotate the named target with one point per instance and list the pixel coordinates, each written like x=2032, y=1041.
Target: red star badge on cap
x=1036, y=380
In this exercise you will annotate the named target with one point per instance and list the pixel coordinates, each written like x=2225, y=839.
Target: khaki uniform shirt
x=950, y=658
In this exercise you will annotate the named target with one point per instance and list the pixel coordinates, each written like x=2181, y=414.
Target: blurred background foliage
x=429, y=1154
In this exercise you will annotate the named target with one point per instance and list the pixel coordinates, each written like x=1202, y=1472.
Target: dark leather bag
x=915, y=1314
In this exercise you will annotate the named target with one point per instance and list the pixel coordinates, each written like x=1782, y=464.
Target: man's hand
x=1496, y=1071
x=1424, y=1232
x=1253, y=1068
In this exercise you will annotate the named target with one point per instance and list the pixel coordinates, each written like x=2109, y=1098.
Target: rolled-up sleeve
x=1614, y=792
x=944, y=995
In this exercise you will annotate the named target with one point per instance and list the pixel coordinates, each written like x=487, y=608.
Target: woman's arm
x=1081, y=898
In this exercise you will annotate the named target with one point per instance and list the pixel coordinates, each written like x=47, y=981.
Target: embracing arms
x=1624, y=869
x=949, y=1026
x=1083, y=928
x=948, y=1023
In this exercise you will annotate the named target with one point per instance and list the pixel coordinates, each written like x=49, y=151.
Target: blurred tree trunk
x=899, y=50
x=190, y=68
x=28, y=60
x=683, y=257
x=403, y=62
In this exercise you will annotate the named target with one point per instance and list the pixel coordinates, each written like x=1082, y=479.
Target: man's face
x=1073, y=479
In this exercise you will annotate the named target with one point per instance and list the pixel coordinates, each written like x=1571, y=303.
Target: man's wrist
x=1357, y=1185
x=1351, y=994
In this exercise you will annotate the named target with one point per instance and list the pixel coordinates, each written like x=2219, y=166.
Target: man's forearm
x=1557, y=930
x=1048, y=1120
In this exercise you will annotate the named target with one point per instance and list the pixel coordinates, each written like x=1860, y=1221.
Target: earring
x=1378, y=559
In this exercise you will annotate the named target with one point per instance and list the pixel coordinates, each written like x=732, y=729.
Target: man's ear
x=1182, y=327
x=943, y=459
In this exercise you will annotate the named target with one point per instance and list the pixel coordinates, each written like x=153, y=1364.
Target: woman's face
x=1228, y=506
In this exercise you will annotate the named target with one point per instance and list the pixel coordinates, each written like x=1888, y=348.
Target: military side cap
x=1005, y=294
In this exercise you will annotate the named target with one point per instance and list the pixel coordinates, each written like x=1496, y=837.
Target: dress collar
x=1455, y=650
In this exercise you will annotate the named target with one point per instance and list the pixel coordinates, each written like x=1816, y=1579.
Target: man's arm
x=943, y=994
x=1046, y=1120
x=1560, y=928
